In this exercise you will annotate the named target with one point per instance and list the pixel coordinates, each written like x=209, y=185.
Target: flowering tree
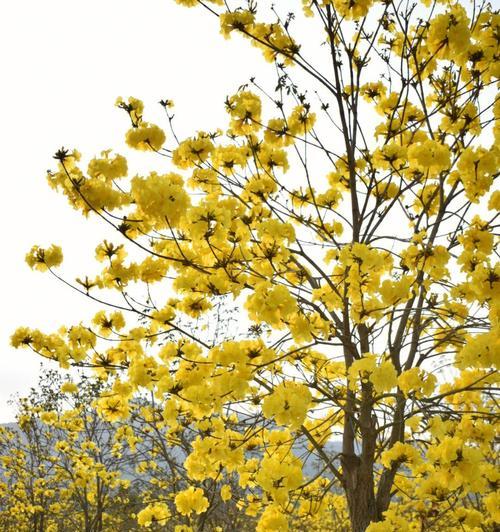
x=59, y=465
x=351, y=216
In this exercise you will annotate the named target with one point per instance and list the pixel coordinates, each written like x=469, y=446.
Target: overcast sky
x=63, y=65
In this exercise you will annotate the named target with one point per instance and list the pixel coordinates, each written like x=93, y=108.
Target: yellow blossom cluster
x=306, y=273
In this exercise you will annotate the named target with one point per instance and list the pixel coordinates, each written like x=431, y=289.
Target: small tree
x=60, y=464
x=352, y=214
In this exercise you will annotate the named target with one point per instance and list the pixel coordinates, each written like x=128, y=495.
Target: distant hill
x=312, y=464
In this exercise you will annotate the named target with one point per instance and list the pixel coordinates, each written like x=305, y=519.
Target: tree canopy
x=347, y=215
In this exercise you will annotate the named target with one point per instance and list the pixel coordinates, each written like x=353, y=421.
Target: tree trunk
x=358, y=470
x=359, y=489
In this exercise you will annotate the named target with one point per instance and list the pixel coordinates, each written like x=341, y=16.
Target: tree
x=60, y=464
x=352, y=214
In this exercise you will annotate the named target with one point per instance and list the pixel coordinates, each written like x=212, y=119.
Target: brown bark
x=359, y=492
x=358, y=470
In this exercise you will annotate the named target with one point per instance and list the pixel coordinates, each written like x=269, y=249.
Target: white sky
x=63, y=65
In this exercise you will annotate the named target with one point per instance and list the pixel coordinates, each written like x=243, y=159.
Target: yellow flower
x=49, y=417
x=187, y=3
x=160, y=199
x=145, y=137
x=108, y=323
x=112, y=407
x=69, y=387
x=288, y=404
x=272, y=304
x=22, y=336
x=352, y=9
x=191, y=500
x=417, y=381
x=106, y=168
x=153, y=513
x=133, y=107
x=383, y=376
x=272, y=520
x=402, y=453
x=42, y=259
x=301, y=121
x=226, y=492
x=429, y=157
x=245, y=111
x=193, y=151
x=237, y=20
